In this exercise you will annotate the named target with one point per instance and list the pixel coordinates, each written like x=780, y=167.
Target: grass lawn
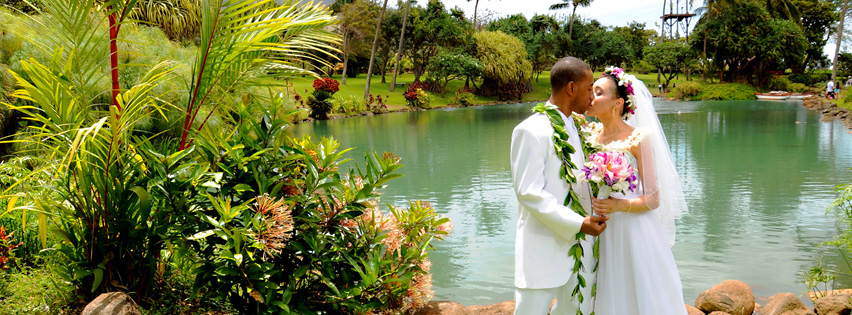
x=395, y=101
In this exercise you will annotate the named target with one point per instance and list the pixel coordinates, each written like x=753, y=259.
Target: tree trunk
x=384, y=68
x=345, y=66
x=571, y=26
x=839, y=39
x=373, y=51
x=399, y=51
x=113, y=61
x=475, y=8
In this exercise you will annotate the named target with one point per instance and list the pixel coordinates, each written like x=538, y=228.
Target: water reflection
x=757, y=185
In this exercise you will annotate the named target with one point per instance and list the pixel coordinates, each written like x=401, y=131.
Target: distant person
x=829, y=89
x=849, y=81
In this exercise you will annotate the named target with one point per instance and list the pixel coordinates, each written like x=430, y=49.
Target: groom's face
x=584, y=93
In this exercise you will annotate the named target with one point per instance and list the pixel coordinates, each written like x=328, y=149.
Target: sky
x=608, y=12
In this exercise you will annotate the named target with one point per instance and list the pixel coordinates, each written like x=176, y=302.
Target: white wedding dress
x=637, y=274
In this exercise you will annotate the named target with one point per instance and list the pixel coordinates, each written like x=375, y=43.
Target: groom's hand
x=594, y=225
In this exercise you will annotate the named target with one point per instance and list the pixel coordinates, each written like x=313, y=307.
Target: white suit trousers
x=538, y=301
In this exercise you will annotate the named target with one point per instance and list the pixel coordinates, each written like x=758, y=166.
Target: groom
x=547, y=229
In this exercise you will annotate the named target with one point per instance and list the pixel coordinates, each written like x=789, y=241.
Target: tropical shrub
x=350, y=104
x=510, y=91
x=797, y=88
x=778, y=84
x=726, y=91
x=179, y=19
x=808, y=79
x=464, y=97
x=819, y=274
x=320, y=99
x=416, y=96
x=504, y=60
x=376, y=104
x=278, y=227
x=448, y=66
x=98, y=197
x=686, y=90
x=7, y=245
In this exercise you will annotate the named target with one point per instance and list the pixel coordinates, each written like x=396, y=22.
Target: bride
x=637, y=272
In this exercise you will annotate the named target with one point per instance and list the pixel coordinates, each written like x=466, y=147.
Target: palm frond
x=254, y=41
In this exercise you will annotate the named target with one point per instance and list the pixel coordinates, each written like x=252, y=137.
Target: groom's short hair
x=566, y=70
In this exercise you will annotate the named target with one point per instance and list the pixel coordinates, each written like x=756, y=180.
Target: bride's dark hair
x=620, y=91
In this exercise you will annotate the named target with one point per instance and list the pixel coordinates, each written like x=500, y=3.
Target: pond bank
x=729, y=297
x=829, y=110
x=410, y=109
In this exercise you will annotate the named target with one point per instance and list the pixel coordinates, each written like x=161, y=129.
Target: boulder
x=503, y=308
x=837, y=304
x=112, y=303
x=730, y=296
x=785, y=304
x=691, y=310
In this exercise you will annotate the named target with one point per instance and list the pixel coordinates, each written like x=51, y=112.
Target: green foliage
x=357, y=23
x=179, y=19
x=277, y=227
x=844, y=67
x=636, y=37
x=815, y=78
x=349, y=104
x=23, y=6
x=463, y=98
x=778, y=84
x=746, y=39
x=726, y=91
x=320, y=104
x=819, y=274
x=797, y=88
x=447, y=66
x=250, y=42
x=34, y=291
x=686, y=90
x=817, y=17
x=433, y=28
x=599, y=46
x=503, y=57
x=669, y=58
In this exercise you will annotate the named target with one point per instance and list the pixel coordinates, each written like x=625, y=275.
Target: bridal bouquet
x=609, y=171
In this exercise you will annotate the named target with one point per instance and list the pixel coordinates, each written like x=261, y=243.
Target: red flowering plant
x=320, y=98
x=6, y=247
x=376, y=104
x=326, y=85
x=416, y=95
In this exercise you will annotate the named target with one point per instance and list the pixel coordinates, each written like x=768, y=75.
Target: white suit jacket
x=546, y=229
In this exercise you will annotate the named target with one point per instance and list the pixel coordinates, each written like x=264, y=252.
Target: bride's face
x=606, y=101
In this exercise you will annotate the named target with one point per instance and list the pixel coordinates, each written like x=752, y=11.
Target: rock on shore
x=730, y=297
x=829, y=110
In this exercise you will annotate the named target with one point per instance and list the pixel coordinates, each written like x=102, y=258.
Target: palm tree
x=784, y=9
x=373, y=52
x=564, y=4
x=401, y=41
x=91, y=153
x=839, y=38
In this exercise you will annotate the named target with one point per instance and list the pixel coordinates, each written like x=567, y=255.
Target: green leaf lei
x=566, y=172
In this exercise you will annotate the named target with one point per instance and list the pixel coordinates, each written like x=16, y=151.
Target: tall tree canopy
x=748, y=41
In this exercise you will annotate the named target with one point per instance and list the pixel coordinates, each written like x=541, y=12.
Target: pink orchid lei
x=625, y=80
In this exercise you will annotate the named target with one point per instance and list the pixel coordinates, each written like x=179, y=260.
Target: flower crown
x=625, y=80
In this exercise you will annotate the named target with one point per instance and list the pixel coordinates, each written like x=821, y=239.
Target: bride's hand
x=609, y=205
